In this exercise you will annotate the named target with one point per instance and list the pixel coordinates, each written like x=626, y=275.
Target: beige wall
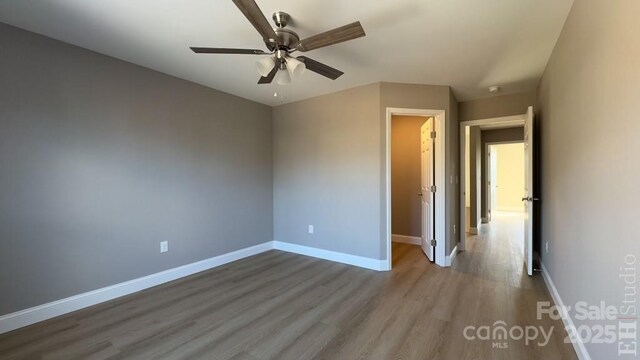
x=589, y=128
x=496, y=106
x=406, y=207
x=510, y=176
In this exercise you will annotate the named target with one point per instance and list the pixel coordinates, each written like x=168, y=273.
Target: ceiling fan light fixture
x=265, y=66
x=295, y=67
x=283, y=77
x=281, y=42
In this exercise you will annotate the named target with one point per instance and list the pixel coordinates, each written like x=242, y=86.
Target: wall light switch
x=546, y=246
x=164, y=246
x=310, y=229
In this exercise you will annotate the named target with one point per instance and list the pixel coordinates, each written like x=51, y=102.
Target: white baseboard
x=473, y=231
x=451, y=258
x=56, y=308
x=413, y=240
x=484, y=220
x=60, y=307
x=368, y=263
x=579, y=347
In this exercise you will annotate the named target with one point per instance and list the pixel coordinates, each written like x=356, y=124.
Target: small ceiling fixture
x=494, y=89
x=281, y=42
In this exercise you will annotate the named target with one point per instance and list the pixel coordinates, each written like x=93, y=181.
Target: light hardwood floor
x=281, y=306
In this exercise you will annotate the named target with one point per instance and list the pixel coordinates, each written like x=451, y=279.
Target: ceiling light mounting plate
x=281, y=19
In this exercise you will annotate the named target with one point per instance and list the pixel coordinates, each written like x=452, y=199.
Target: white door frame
x=440, y=174
x=505, y=120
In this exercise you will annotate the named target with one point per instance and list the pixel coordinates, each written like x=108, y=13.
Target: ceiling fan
x=282, y=42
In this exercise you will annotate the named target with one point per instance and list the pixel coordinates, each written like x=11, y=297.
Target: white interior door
x=493, y=182
x=528, y=190
x=427, y=181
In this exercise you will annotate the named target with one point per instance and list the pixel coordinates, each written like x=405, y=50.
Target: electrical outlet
x=310, y=229
x=164, y=246
x=546, y=246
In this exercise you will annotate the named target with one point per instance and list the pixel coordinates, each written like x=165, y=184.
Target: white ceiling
x=468, y=44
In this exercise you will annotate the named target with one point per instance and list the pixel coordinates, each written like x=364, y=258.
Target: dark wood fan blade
x=255, y=16
x=206, y=50
x=269, y=78
x=335, y=36
x=320, y=68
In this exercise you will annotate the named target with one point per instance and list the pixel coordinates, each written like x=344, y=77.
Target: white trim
x=368, y=263
x=413, y=240
x=441, y=179
x=473, y=231
x=579, y=347
x=451, y=258
x=506, y=120
x=484, y=220
x=50, y=310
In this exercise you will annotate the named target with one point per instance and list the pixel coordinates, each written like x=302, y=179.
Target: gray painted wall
x=327, y=172
x=329, y=166
x=492, y=136
x=589, y=141
x=101, y=160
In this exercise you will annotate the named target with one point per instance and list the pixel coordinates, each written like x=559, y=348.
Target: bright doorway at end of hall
x=412, y=181
x=505, y=184
x=506, y=178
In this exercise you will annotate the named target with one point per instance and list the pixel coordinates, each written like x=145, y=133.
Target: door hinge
x=433, y=188
x=433, y=242
x=433, y=134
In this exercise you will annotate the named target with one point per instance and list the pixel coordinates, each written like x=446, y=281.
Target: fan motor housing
x=287, y=38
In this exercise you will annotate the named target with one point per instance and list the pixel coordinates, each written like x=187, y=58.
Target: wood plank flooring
x=282, y=306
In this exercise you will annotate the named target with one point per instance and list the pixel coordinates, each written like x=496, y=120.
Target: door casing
x=515, y=120
x=440, y=180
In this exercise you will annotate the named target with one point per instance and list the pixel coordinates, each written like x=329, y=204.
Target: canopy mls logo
x=628, y=311
x=599, y=324
x=499, y=334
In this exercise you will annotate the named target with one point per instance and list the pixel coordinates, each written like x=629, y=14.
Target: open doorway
x=412, y=181
x=415, y=173
x=496, y=181
x=505, y=183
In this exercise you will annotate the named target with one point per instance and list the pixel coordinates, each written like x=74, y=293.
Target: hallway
x=497, y=252
x=487, y=283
